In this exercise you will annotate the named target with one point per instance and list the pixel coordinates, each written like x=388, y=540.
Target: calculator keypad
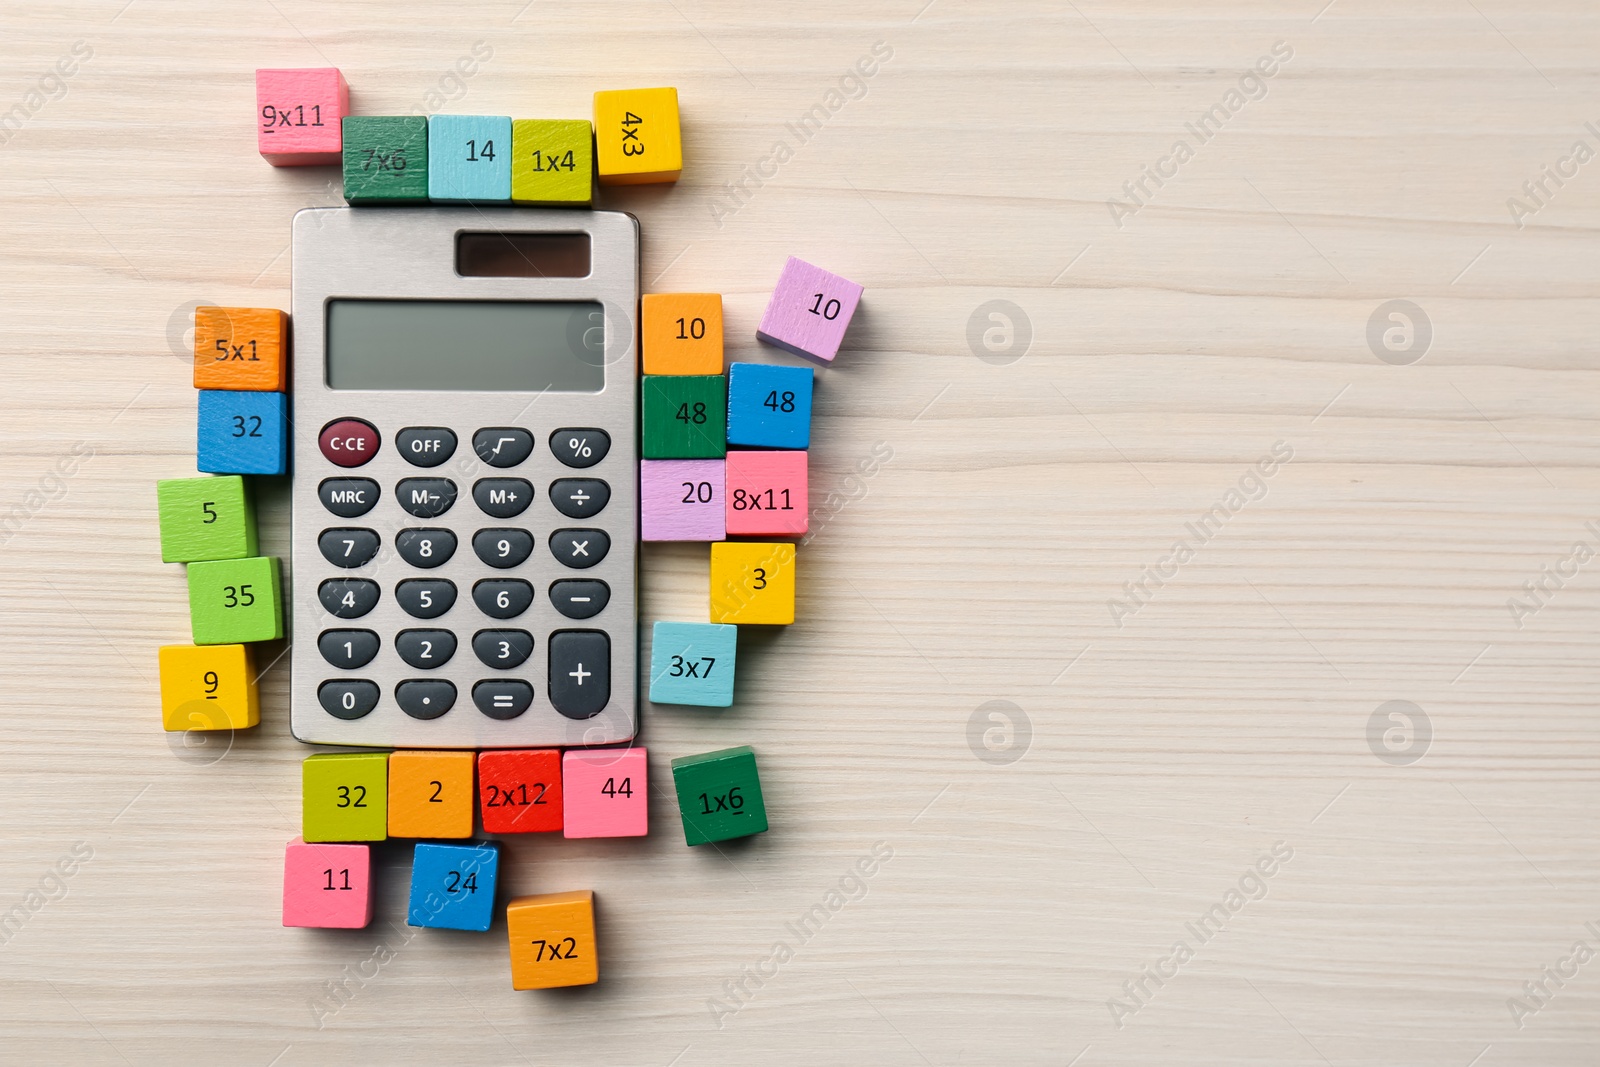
x=502, y=446
x=348, y=548
x=426, y=498
x=425, y=598
x=425, y=548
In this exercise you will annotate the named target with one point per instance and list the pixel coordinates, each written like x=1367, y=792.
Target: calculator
x=464, y=491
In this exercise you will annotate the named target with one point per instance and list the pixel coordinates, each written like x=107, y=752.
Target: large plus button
x=580, y=672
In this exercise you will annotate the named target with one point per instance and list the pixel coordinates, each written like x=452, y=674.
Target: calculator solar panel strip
x=524, y=342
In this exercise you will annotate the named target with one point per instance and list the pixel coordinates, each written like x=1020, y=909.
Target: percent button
x=579, y=447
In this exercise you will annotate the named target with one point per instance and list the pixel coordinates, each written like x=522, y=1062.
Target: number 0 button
x=502, y=548
x=579, y=548
x=347, y=699
x=348, y=547
x=425, y=548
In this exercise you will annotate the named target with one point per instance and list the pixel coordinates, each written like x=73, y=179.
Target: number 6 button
x=579, y=548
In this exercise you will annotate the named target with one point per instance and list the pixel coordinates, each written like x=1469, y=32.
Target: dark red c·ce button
x=349, y=442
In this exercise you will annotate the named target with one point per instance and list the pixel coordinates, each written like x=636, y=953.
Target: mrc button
x=426, y=446
x=348, y=442
x=348, y=498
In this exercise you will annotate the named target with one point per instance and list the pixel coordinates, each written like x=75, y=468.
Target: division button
x=502, y=548
x=425, y=649
x=426, y=498
x=425, y=598
x=502, y=446
x=502, y=649
x=503, y=599
x=580, y=672
x=425, y=548
x=503, y=698
x=348, y=598
x=502, y=498
x=348, y=442
x=348, y=547
x=580, y=598
x=579, y=447
x=579, y=548
x=348, y=650
x=425, y=698
x=426, y=446
x=348, y=498
x=579, y=498
x=347, y=699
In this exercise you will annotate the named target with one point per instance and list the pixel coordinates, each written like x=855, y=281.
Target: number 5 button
x=579, y=548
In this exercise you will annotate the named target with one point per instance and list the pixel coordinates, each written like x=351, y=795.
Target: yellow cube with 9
x=208, y=687
x=752, y=583
x=637, y=138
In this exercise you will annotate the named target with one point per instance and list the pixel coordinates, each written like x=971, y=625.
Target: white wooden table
x=1170, y=717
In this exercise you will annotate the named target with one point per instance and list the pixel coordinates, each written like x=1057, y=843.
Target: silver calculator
x=465, y=495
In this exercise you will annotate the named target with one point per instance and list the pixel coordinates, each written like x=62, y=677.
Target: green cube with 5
x=235, y=601
x=719, y=795
x=205, y=519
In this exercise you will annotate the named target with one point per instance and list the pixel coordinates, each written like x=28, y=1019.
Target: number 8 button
x=425, y=548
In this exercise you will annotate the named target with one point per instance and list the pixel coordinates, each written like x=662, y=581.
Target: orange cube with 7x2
x=552, y=940
x=681, y=333
x=637, y=139
x=241, y=348
x=431, y=794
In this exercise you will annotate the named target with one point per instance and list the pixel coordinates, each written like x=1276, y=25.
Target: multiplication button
x=579, y=498
x=502, y=498
x=579, y=548
x=425, y=446
x=580, y=446
x=503, y=698
x=426, y=498
x=502, y=446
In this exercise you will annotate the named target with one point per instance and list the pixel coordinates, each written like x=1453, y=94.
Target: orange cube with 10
x=637, y=137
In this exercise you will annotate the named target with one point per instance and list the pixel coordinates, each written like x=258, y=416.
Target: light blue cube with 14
x=452, y=886
x=469, y=157
x=242, y=432
x=692, y=663
x=769, y=406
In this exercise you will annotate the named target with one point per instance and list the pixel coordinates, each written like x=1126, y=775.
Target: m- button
x=348, y=442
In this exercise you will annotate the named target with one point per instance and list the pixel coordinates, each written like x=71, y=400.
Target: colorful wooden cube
x=769, y=406
x=809, y=311
x=242, y=433
x=386, y=159
x=344, y=796
x=469, y=158
x=719, y=795
x=241, y=348
x=208, y=687
x=519, y=791
x=681, y=500
x=692, y=663
x=431, y=794
x=235, y=601
x=327, y=886
x=605, y=792
x=636, y=135
x=752, y=582
x=552, y=940
x=684, y=416
x=452, y=886
x=205, y=518
x=299, y=115
x=552, y=161
x=766, y=494
x=681, y=333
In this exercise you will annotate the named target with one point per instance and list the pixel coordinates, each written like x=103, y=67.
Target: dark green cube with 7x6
x=385, y=159
x=684, y=416
x=719, y=795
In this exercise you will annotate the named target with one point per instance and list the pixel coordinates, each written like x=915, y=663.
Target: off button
x=425, y=446
x=348, y=442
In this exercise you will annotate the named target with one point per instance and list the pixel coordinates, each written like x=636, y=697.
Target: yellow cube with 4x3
x=637, y=138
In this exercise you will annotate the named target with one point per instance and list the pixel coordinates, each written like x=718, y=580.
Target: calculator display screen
x=473, y=345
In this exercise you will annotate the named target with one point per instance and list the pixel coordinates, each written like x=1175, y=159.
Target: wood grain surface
x=1177, y=504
